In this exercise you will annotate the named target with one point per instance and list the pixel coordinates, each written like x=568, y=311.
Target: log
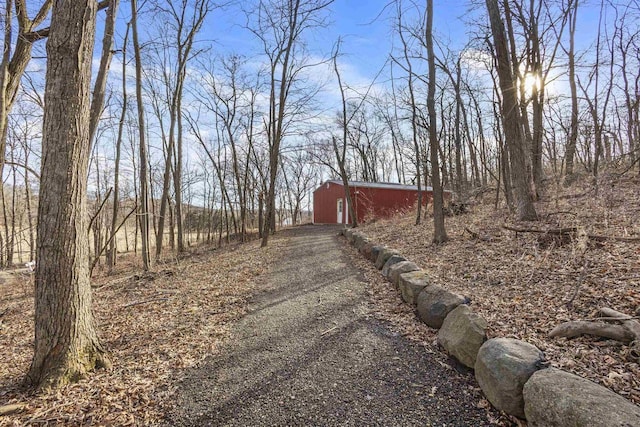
x=627, y=321
x=631, y=325
x=570, y=231
x=605, y=330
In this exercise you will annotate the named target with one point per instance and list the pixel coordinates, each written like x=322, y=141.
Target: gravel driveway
x=309, y=354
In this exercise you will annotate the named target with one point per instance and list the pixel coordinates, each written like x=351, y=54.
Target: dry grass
x=154, y=324
x=524, y=284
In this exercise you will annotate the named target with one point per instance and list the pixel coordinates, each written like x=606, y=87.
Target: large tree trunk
x=510, y=117
x=66, y=342
x=439, y=232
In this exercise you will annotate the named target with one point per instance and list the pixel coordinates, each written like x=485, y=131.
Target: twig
x=113, y=235
x=144, y=302
x=328, y=330
x=579, y=284
x=95, y=215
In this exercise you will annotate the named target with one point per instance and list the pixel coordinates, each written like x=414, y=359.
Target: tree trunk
x=111, y=254
x=439, y=232
x=573, y=133
x=66, y=341
x=143, y=203
x=511, y=118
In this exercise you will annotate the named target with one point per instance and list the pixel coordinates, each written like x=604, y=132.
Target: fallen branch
x=627, y=333
x=570, y=231
x=11, y=409
x=605, y=330
x=632, y=325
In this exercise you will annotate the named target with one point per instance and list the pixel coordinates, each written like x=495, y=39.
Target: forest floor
x=166, y=330
x=527, y=283
x=311, y=352
x=154, y=324
x=161, y=324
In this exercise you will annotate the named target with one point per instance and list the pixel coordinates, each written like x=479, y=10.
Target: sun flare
x=531, y=81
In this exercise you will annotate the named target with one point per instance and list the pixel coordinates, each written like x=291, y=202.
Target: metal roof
x=385, y=185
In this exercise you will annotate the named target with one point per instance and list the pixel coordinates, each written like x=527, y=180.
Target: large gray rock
x=348, y=233
x=434, y=303
x=359, y=239
x=411, y=284
x=384, y=256
x=394, y=259
x=556, y=398
x=375, y=252
x=365, y=249
x=502, y=367
x=401, y=267
x=462, y=333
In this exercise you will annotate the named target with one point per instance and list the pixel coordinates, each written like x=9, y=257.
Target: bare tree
x=183, y=21
x=279, y=25
x=66, y=342
x=111, y=254
x=14, y=64
x=511, y=120
x=570, y=149
x=143, y=197
x=439, y=231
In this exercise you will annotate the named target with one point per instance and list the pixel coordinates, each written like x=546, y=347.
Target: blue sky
x=365, y=28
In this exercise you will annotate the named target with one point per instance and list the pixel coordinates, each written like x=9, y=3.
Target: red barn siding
x=383, y=202
x=369, y=202
x=325, y=200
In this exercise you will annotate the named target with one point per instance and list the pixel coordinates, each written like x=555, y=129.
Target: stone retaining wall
x=513, y=374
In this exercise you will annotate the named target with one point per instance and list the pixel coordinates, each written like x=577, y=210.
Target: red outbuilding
x=370, y=200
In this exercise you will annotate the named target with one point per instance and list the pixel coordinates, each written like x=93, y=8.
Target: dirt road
x=308, y=353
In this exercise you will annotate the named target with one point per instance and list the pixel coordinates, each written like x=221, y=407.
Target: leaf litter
x=525, y=284
x=154, y=325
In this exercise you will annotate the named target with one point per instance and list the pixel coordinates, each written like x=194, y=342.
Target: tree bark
x=66, y=340
x=510, y=117
x=143, y=202
x=111, y=254
x=439, y=232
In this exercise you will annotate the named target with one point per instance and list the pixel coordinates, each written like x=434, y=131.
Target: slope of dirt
x=154, y=324
x=310, y=353
x=525, y=284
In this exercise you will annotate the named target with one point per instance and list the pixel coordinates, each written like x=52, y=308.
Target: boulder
x=358, y=239
x=384, y=256
x=462, y=333
x=503, y=366
x=401, y=267
x=394, y=259
x=434, y=303
x=557, y=398
x=348, y=233
x=365, y=249
x=375, y=252
x=411, y=284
